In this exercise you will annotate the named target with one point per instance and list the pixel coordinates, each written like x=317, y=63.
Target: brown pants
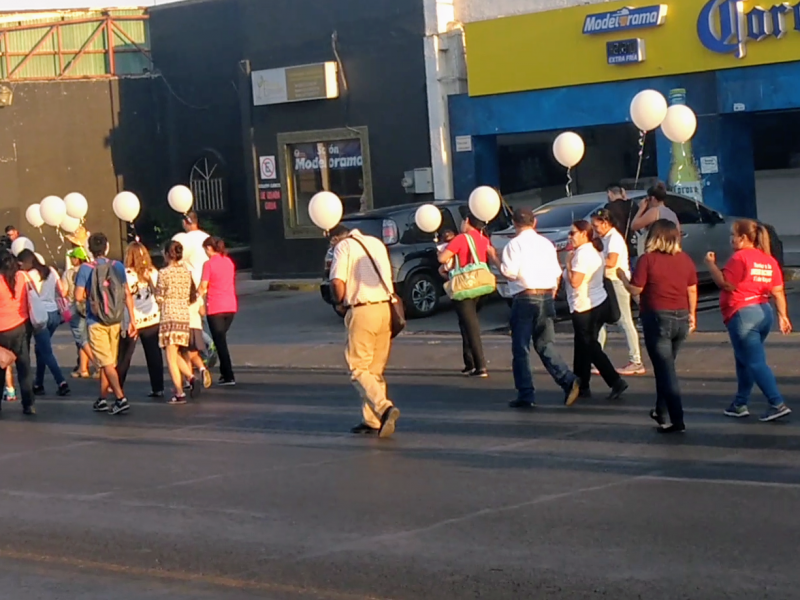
x=369, y=341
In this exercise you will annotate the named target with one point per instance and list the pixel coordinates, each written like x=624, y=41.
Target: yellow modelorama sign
x=570, y=46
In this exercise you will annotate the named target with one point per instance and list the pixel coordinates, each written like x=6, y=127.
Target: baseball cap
x=78, y=253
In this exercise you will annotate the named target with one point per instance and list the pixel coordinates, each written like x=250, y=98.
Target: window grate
x=208, y=189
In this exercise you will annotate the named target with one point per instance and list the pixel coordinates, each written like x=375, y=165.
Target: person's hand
x=133, y=333
x=568, y=257
x=785, y=324
x=621, y=274
x=340, y=309
x=692, y=323
x=711, y=258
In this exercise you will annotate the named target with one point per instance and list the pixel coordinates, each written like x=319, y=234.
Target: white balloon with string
x=180, y=199
x=53, y=210
x=484, y=203
x=428, y=218
x=568, y=149
x=77, y=205
x=680, y=124
x=34, y=216
x=126, y=206
x=325, y=210
x=648, y=110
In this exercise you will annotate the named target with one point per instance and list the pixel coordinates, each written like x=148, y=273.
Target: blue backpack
x=106, y=293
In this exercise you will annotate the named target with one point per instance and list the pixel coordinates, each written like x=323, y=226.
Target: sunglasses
x=572, y=233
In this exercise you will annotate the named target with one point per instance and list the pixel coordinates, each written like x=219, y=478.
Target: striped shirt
x=352, y=266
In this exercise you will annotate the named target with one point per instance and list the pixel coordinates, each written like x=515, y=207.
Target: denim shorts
x=77, y=325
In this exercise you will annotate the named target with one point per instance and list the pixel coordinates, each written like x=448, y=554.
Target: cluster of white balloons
x=484, y=203
x=67, y=213
x=649, y=111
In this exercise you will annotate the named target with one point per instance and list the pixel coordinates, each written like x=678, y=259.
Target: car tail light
x=389, y=232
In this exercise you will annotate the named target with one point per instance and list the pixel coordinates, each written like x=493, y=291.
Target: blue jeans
x=748, y=330
x=664, y=332
x=532, y=320
x=77, y=327
x=44, y=350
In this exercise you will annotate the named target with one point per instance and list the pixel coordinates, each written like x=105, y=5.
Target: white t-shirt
x=47, y=290
x=614, y=243
x=590, y=293
x=194, y=256
x=195, y=320
x=530, y=262
x=145, y=307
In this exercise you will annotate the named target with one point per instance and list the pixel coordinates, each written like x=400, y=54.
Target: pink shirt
x=13, y=309
x=220, y=274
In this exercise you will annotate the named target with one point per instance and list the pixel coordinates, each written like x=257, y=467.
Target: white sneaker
x=632, y=369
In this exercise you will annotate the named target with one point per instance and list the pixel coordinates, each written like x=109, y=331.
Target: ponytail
x=762, y=240
x=755, y=232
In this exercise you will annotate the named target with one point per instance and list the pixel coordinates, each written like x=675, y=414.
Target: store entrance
x=530, y=175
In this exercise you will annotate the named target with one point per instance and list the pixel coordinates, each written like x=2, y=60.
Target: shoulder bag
x=613, y=314
x=63, y=303
x=473, y=280
x=395, y=302
x=36, y=310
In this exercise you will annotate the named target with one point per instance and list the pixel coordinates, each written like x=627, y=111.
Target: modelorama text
x=303, y=163
x=625, y=18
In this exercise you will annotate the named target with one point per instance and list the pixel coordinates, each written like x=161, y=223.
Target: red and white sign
x=268, y=170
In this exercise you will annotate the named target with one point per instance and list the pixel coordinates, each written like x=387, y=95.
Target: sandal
x=178, y=399
x=79, y=375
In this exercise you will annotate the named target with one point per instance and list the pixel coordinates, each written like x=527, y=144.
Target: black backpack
x=107, y=293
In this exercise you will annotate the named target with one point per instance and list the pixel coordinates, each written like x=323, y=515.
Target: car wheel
x=421, y=295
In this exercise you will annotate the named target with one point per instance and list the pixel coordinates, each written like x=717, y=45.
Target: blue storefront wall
x=722, y=131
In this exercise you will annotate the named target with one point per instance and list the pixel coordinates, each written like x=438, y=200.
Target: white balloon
x=648, y=109
x=34, y=216
x=40, y=258
x=428, y=218
x=126, y=206
x=53, y=210
x=568, y=148
x=70, y=224
x=484, y=203
x=77, y=205
x=325, y=209
x=680, y=124
x=20, y=244
x=180, y=198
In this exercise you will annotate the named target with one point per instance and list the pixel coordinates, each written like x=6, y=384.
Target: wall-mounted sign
x=463, y=143
x=709, y=165
x=625, y=19
x=623, y=52
x=343, y=154
x=267, y=166
x=295, y=84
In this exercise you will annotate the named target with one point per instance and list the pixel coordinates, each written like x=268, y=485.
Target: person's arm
x=132, y=331
x=491, y=254
x=692, y=293
x=644, y=219
x=575, y=277
x=161, y=290
x=510, y=266
x=611, y=260
x=717, y=276
x=779, y=293
x=452, y=249
x=339, y=271
x=81, y=280
x=632, y=289
x=638, y=283
x=202, y=290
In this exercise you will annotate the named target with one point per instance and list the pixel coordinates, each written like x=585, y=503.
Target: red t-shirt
x=13, y=309
x=460, y=247
x=664, y=279
x=754, y=274
x=220, y=273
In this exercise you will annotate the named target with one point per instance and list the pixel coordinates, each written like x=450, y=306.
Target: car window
x=688, y=211
x=414, y=235
x=501, y=222
x=373, y=227
x=557, y=216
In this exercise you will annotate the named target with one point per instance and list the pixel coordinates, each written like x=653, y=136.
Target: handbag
x=395, y=302
x=37, y=313
x=613, y=314
x=63, y=303
x=473, y=280
x=7, y=358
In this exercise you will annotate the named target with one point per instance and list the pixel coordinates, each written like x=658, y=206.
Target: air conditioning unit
x=6, y=95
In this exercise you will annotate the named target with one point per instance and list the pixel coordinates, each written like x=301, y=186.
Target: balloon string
x=46, y=244
x=569, y=182
x=642, y=135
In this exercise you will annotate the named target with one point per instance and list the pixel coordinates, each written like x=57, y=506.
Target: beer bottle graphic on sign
x=684, y=177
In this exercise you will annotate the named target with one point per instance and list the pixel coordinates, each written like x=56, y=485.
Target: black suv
x=411, y=251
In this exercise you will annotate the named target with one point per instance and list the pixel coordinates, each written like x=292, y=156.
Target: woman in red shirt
x=219, y=287
x=748, y=280
x=15, y=332
x=467, y=310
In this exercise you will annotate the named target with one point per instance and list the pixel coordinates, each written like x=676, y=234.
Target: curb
x=293, y=286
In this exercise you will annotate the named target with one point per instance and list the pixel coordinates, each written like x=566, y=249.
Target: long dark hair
x=9, y=267
x=586, y=227
x=28, y=261
x=216, y=244
x=174, y=253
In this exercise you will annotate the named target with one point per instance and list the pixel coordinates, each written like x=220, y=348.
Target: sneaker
x=226, y=382
x=28, y=410
x=658, y=418
x=120, y=406
x=479, y=373
x=737, y=411
x=175, y=400
x=187, y=385
x=467, y=371
x=38, y=390
x=388, y=421
x=679, y=428
x=196, y=387
x=100, y=405
x=156, y=394
x=9, y=395
x=632, y=368
x=595, y=371
x=775, y=412
x=619, y=388
x=518, y=403
x=206, y=377
x=571, y=394
x=363, y=429
x=63, y=390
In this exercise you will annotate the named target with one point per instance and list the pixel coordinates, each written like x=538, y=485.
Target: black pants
x=467, y=311
x=18, y=340
x=219, y=325
x=152, y=354
x=588, y=350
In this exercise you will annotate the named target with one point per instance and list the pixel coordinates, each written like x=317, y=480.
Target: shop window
x=334, y=160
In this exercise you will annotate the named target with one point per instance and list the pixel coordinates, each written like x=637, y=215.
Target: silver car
x=703, y=228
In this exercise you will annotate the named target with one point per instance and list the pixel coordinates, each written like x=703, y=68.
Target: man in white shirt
x=194, y=257
x=531, y=266
x=615, y=254
x=361, y=281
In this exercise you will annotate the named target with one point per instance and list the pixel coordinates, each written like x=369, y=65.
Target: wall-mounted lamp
x=6, y=95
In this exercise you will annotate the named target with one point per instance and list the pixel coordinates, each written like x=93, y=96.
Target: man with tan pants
x=361, y=278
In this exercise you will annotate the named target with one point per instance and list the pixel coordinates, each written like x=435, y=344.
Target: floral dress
x=172, y=293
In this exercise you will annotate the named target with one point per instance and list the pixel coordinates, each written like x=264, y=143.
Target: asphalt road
x=259, y=492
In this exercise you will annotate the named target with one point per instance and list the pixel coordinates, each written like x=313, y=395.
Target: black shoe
x=467, y=371
x=38, y=390
x=680, y=428
x=226, y=382
x=619, y=388
x=197, y=387
x=388, y=421
x=573, y=393
x=657, y=418
x=28, y=410
x=63, y=390
x=480, y=373
x=100, y=405
x=585, y=394
x=518, y=403
x=120, y=406
x=363, y=429
x=156, y=394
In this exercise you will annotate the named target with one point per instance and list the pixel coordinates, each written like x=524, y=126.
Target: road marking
x=739, y=482
x=182, y=576
x=47, y=449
